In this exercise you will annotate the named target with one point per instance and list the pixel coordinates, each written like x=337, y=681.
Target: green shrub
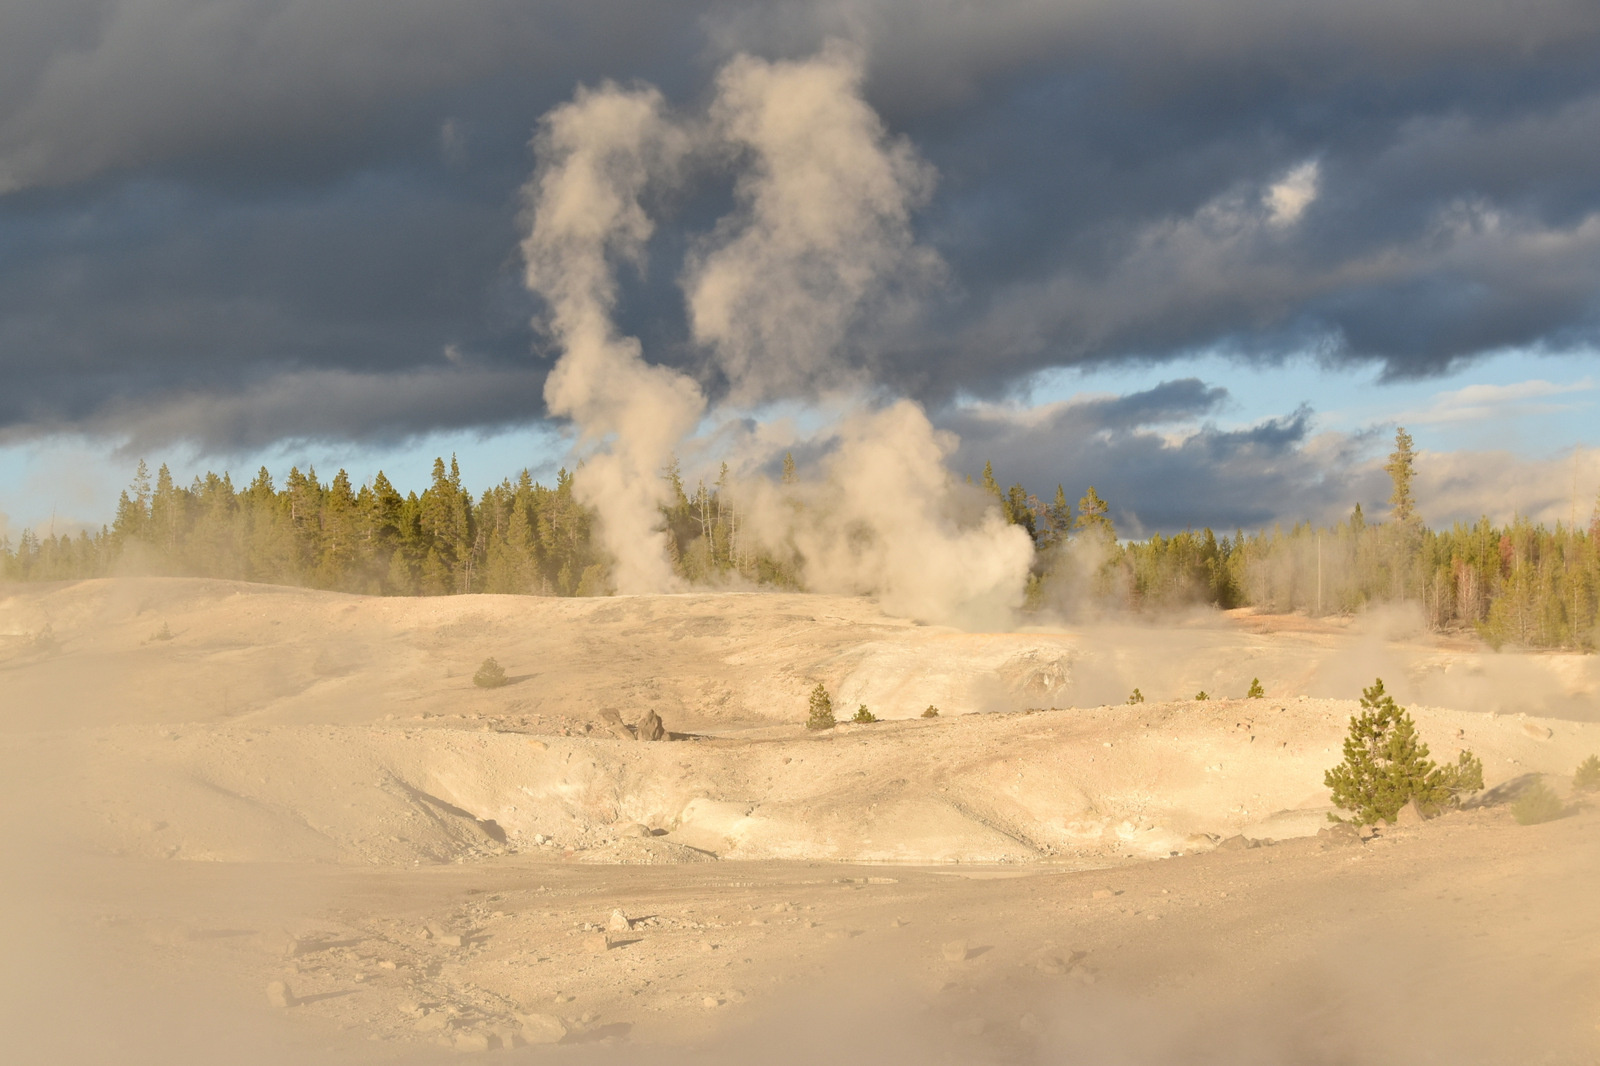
x=931, y=712
x=1256, y=691
x=1136, y=697
x=1201, y=695
x=164, y=633
x=821, y=716
x=864, y=716
x=1386, y=766
x=1465, y=776
x=489, y=675
x=1587, y=778
x=1538, y=803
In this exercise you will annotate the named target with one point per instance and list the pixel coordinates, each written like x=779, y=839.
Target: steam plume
x=820, y=241
x=597, y=155
x=887, y=517
x=822, y=232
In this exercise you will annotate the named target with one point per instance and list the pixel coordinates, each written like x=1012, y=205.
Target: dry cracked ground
x=264, y=825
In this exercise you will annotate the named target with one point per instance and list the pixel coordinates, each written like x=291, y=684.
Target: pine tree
x=1537, y=803
x=1256, y=691
x=1587, y=777
x=1021, y=510
x=821, y=709
x=1057, y=519
x=399, y=581
x=490, y=674
x=1464, y=775
x=1093, y=517
x=1385, y=764
x=990, y=485
x=1401, y=468
x=864, y=716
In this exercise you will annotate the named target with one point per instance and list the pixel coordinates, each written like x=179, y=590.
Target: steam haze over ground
x=305, y=787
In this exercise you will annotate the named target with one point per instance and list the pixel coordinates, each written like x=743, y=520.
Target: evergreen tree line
x=1521, y=583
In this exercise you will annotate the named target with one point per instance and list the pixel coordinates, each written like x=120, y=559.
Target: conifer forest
x=1520, y=584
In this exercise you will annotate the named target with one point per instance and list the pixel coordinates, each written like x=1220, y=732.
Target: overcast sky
x=1202, y=254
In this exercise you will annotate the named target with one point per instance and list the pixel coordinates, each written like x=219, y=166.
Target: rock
x=507, y=1036
x=618, y=922
x=1537, y=731
x=1055, y=962
x=1052, y=963
x=710, y=1002
x=955, y=951
x=649, y=727
x=279, y=994
x=1238, y=842
x=1103, y=893
x=436, y=1022
x=277, y=942
x=600, y=943
x=614, y=723
x=542, y=1028
x=1410, y=814
x=1339, y=833
x=465, y=1041
x=634, y=830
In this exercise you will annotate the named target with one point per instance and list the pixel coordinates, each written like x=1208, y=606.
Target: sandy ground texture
x=256, y=824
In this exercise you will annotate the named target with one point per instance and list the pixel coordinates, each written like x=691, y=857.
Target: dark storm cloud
x=317, y=405
x=224, y=198
x=1160, y=471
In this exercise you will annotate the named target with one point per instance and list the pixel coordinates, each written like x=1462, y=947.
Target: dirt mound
x=295, y=726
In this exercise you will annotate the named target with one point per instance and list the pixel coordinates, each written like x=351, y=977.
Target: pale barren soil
x=209, y=788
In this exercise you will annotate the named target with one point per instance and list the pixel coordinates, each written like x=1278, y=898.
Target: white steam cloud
x=888, y=518
x=598, y=154
x=822, y=233
x=817, y=254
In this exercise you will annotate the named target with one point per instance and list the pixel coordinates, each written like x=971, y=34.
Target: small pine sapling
x=489, y=675
x=1385, y=764
x=821, y=716
x=1136, y=697
x=1587, y=779
x=1466, y=775
x=1256, y=691
x=1201, y=695
x=931, y=712
x=864, y=716
x=1538, y=803
x=164, y=633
